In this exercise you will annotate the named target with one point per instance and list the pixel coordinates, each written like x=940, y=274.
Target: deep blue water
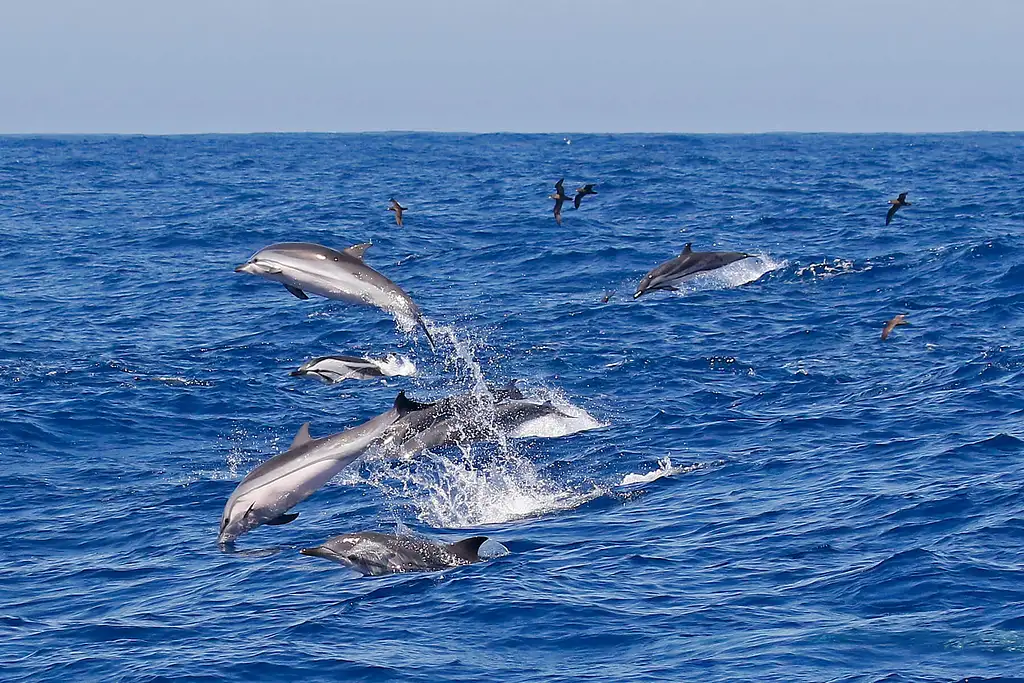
x=835, y=508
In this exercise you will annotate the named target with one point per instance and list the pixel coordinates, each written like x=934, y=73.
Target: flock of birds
x=267, y=494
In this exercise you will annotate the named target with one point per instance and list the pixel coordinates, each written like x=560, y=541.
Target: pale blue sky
x=518, y=65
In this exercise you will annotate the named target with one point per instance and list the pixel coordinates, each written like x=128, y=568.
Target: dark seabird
x=559, y=196
x=901, y=319
x=582, y=192
x=897, y=204
x=398, y=209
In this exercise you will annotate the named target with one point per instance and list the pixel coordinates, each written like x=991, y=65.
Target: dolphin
x=306, y=267
x=266, y=494
x=375, y=554
x=671, y=273
x=470, y=418
x=333, y=369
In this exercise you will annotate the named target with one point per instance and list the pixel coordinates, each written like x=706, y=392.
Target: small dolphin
x=897, y=204
x=900, y=319
x=306, y=267
x=560, y=197
x=582, y=192
x=398, y=209
x=671, y=273
x=375, y=554
x=266, y=494
x=334, y=369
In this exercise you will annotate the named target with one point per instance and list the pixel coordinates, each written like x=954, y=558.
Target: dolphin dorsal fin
x=468, y=549
x=687, y=249
x=405, y=405
x=356, y=251
x=301, y=437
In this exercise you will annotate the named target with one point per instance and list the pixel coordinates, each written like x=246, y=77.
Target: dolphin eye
x=335, y=258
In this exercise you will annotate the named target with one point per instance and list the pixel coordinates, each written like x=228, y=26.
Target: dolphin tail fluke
x=405, y=405
x=468, y=549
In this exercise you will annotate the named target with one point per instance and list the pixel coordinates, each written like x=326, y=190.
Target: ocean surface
x=774, y=493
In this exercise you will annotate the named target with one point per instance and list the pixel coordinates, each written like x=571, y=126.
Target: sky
x=700, y=66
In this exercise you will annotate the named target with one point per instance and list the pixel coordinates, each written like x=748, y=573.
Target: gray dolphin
x=375, y=554
x=671, y=273
x=306, y=267
x=333, y=369
x=470, y=418
x=266, y=494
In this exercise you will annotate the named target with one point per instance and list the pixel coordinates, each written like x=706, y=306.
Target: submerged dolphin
x=266, y=494
x=375, y=554
x=333, y=369
x=306, y=267
x=671, y=273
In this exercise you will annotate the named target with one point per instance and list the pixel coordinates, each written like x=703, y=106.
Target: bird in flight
x=560, y=197
x=901, y=319
x=393, y=205
x=582, y=192
x=897, y=204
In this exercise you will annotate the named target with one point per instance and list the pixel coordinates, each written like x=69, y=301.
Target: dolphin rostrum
x=266, y=494
x=375, y=554
x=333, y=369
x=671, y=273
x=306, y=267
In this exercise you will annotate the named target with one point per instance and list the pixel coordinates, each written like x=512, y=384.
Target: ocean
x=771, y=492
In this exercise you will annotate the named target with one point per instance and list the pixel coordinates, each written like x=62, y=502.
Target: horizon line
x=414, y=131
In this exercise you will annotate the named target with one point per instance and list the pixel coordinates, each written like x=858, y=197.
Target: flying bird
x=901, y=319
x=560, y=197
x=582, y=192
x=897, y=204
x=398, y=209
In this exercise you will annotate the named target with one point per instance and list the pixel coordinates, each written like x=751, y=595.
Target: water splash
x=665, y=469
x=735, y=274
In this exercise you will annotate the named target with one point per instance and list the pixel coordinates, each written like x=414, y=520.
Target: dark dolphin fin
x=405, y=405
x=688, y=249
x=356, y=251
x=430, y=339
x=468, y=549
x=283, y=519
x=301, y=437
x=297, y=292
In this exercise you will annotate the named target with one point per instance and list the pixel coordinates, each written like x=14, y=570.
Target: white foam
x=395, y=366
x=665, y=469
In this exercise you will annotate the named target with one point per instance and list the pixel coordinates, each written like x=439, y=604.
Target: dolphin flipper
x=283, y=519
x=468, y=549
x=296, y=291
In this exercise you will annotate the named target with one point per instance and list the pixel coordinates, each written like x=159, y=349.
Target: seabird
x=398, y=209
x=897, y=204
x=582, y=192
x=559, y=196
x=901, y=319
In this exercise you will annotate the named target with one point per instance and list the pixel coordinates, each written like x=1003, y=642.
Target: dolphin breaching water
x=306, y=267
x=267, y=493
x=669, y=274
x=469, y=418
x=375, y=554
x=333, y=369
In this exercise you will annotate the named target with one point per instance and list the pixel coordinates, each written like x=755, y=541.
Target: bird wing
x=576, y=200
x=558, y=186
x=892, y=210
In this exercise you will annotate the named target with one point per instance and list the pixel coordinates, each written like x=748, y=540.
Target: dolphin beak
x=244, y=268
x=637, y=294
x=318, y=551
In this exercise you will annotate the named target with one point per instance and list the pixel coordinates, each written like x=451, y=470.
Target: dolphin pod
x=375, y=554
x=670, y=273
x=306, y=267
x=267, y=493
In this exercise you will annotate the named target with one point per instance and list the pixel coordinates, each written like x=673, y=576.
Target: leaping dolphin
x=266, y=494
x=671, y=273
x=306, y=267
x=375, y=554
x=333, y=369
